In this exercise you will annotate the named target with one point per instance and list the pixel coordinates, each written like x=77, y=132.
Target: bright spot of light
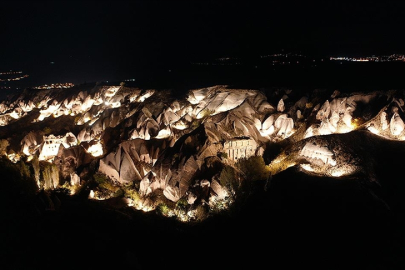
x=373, y=130
x=96, y=149
x=307, y=167
x=338, y=173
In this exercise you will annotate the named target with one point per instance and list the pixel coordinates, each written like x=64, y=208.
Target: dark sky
x=97, y=39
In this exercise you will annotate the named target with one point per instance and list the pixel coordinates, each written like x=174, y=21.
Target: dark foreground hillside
x=298, y=221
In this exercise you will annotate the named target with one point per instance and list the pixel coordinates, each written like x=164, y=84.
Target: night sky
x=81, y=41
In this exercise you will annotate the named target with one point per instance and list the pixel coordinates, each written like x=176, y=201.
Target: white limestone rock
x=284, y=124
x=322, y=153
x=384, y=121
x=172, y=193
x=324, y=111
x=74, y=179
x=220, y=192
x=280, y=106
x=396, y=124
x=31, y=143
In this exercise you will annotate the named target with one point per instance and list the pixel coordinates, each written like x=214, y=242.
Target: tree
x=3, y=146
x=254, y=168
x=229, y=178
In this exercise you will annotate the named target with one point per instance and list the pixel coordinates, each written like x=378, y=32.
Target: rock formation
x=171, y=149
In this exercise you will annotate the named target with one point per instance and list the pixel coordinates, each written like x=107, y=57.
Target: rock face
x=171, y=149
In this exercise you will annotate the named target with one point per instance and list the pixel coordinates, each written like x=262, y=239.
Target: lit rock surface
x=175, y=148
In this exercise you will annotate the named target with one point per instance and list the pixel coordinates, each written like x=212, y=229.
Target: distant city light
x=18, y=75
x=55, y=86
x=373, y=58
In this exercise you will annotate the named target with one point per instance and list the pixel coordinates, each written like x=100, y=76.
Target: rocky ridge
x=184, y=155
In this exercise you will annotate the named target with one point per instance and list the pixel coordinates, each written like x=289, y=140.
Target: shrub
x=24, y=169
x=15, y=184
x=50, y=176
x=119, y=193
x=4, y=144
x=100, y=178
x=132, y=194
x=229, y=178
x=206, y=113
x=182, y=204
x=163, y=209
x=202, y=213
x=254, y=168
x=47, y=130
x=104, y=182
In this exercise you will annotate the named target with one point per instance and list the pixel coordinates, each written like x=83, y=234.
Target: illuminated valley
x=187, y=157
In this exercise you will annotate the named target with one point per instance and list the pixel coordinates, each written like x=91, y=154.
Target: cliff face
x=195, y=150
